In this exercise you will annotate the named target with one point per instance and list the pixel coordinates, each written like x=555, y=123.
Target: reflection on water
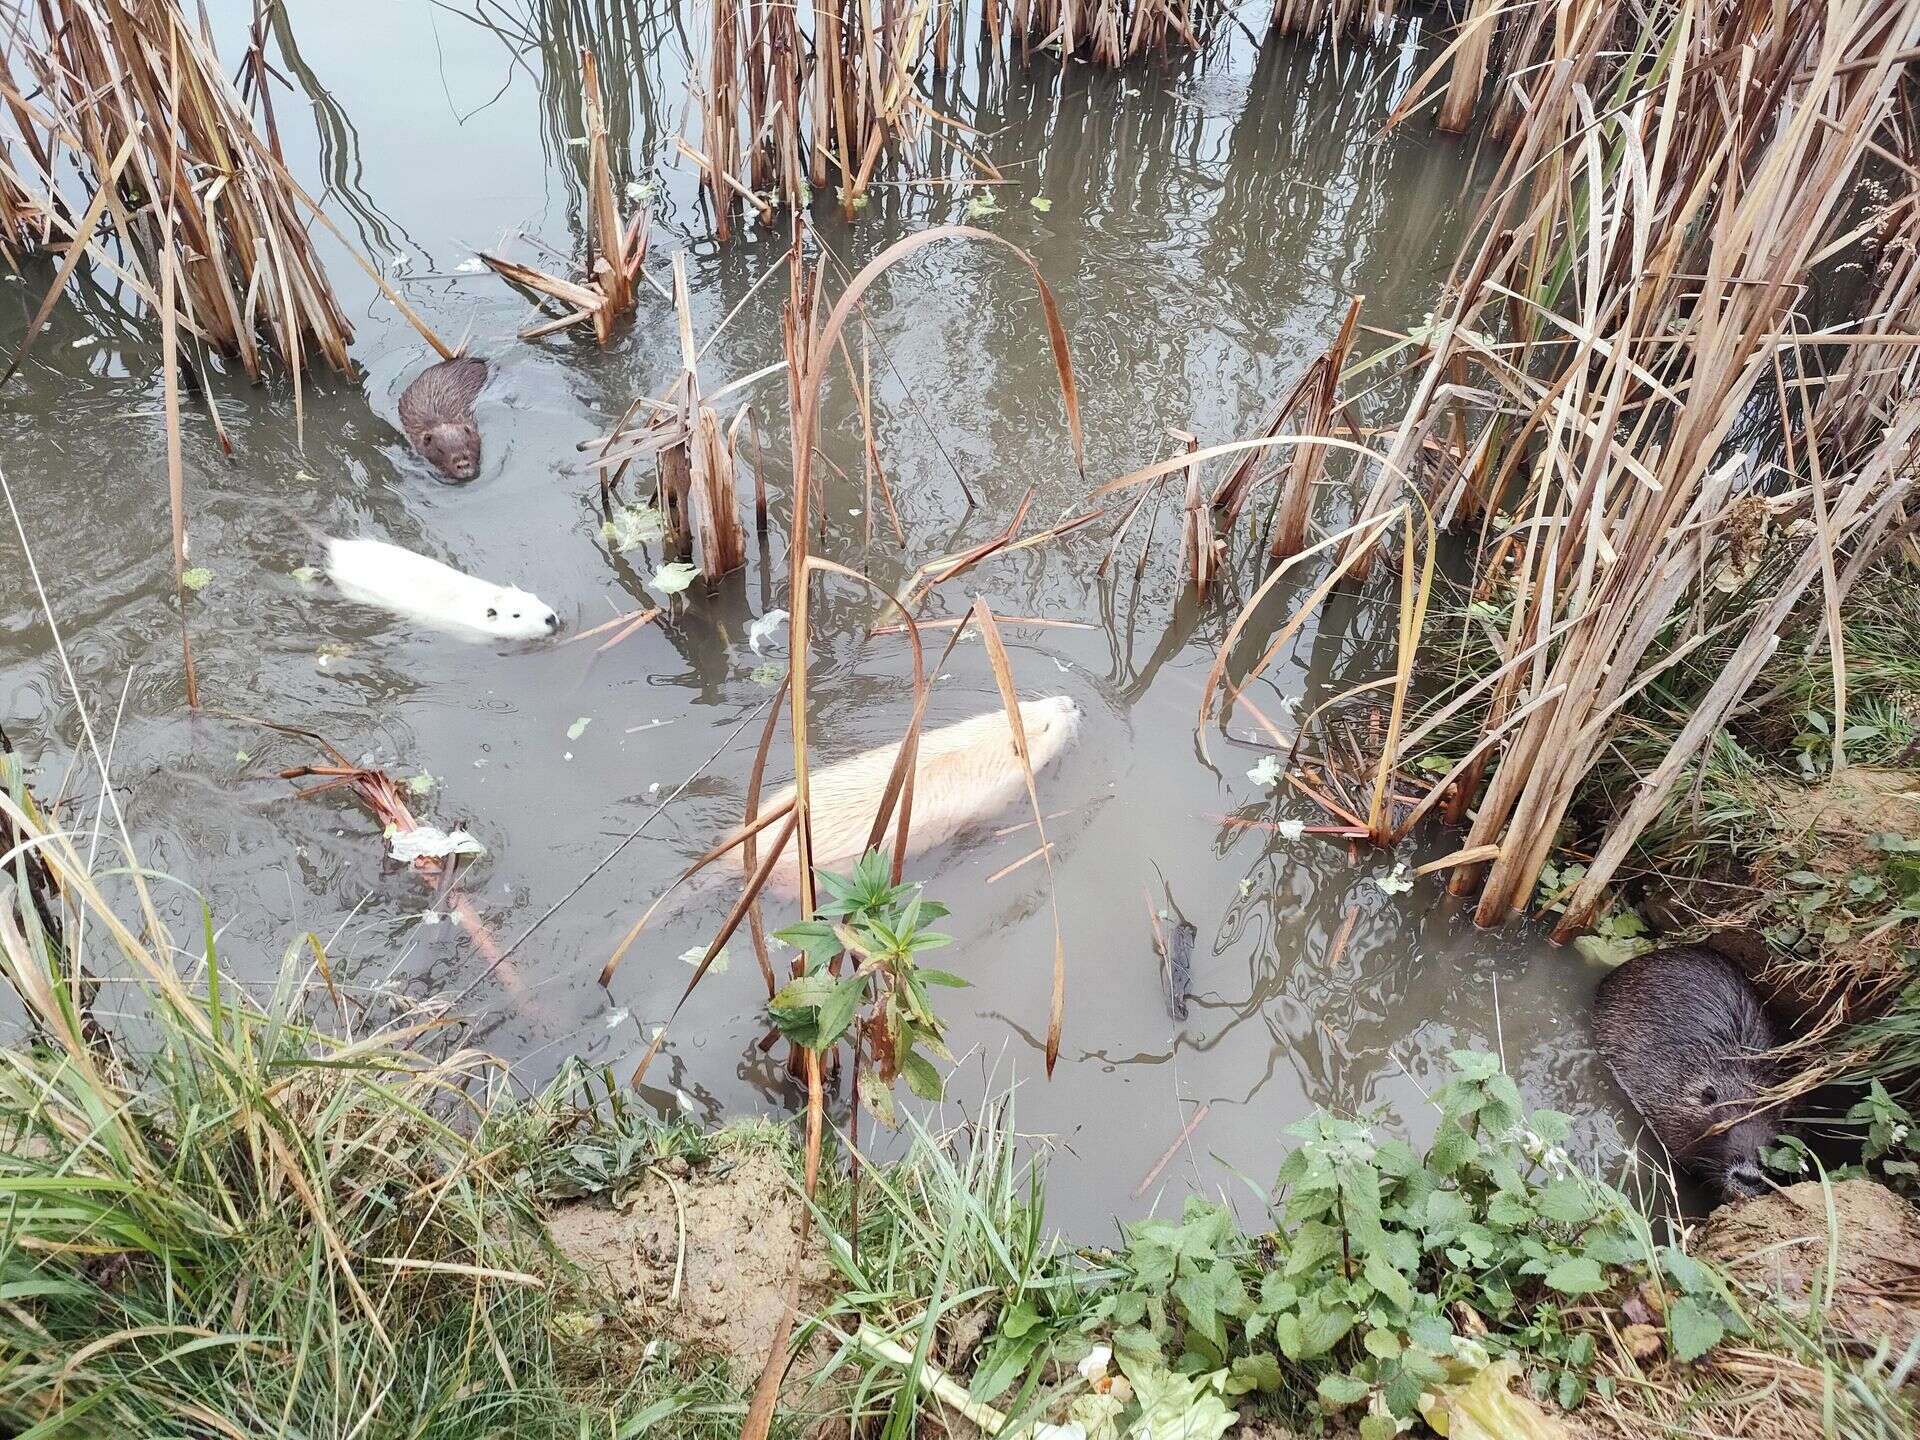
x=1203, y=226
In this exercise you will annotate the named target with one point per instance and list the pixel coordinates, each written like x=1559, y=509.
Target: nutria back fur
x=1684, y=1032
x=962, y=774
x=436, y=411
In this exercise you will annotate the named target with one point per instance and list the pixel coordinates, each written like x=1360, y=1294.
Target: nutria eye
x=493, y=614
x=516, y=614
x=1709, y=1096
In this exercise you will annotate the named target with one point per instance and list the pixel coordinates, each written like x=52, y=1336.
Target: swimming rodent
x=962, y=773
x=1685, y=1035
x=436, y=411
x=416, y=588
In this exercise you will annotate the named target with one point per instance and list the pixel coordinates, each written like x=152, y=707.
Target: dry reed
x=615, y=251
x=1625, y=356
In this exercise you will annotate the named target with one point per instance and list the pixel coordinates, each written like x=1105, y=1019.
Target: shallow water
x=1205, y=226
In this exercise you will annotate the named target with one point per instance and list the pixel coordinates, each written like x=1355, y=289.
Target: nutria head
x=1717, y=1091
x=517, y=615
x=1051, y=725
x=453, y=448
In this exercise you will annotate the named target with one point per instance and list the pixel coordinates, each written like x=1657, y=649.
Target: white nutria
x=962, y=773
x=416, y=588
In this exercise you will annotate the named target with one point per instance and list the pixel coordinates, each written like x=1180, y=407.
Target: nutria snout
x=436, y=411
x=1685, y=1035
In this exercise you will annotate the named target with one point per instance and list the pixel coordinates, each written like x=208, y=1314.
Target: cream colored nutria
x=436, y=411
x=962, y=773
x=372, y=572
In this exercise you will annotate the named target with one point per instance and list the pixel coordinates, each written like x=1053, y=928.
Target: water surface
x=1203, y=225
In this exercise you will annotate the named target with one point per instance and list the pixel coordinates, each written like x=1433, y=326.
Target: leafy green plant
x=881, y=926
x=1388, y=1269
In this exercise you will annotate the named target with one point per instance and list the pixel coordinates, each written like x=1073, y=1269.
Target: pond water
x=1205, y=223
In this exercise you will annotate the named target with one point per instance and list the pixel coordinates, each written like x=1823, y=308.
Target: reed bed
x=1641, y=348
x=128, y=99
x=789, y=108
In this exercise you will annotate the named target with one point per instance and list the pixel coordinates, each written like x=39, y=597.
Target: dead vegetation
x=1623, y=359
x=606, y=290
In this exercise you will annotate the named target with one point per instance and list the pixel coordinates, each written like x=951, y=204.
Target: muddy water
x=1202, y=226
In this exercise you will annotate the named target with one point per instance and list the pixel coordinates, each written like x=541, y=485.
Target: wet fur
x=436, y=411
x=962, y=773
x=413, y=587
x=1683, y=1032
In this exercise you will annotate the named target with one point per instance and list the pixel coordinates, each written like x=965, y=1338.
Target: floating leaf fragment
x=767, y=675
x=1291, y=829
x=1266, y=774
x=421, y=784
x=764, y=627
x=673, y=577
x=1397, y=883
x=1040, y=203
x=720, y=959
x=426, y=842
x=633, y=526
x=579, y=727
x=305, y=576
x=197, y=579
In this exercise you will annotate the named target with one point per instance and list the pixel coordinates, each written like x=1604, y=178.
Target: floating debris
x=673, y=577
x=428, y=842
x=763, y=628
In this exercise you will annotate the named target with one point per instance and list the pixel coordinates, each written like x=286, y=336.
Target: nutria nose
x=553, y=621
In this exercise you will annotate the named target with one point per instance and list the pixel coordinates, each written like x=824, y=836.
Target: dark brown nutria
x=1685, y=1035
x=436, y=411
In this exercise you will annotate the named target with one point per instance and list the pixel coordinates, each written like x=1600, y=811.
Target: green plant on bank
x=881, y=925
x=1829, y=911
x=1389, y=1267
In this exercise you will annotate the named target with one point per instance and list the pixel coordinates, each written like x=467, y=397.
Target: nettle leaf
x=1255, y=1372
x=1551, y=1126
x=1432, y=1333
x=1340, y=1391
x=1577, y=1275
x=1688, y=1273
x=1509, y=1212
x=1313, y=1242
x=1452, y=1148
x=1403, y=1393
x=1196, y=1294
x=1693, y=1328
x=1568, y=1201
x=1610, y=1245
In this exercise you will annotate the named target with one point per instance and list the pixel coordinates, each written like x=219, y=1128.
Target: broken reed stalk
x=608, y=286
x=1631, y=290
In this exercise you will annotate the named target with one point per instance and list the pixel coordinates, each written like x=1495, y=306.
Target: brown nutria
x=1685, y=1035
x=436, y=411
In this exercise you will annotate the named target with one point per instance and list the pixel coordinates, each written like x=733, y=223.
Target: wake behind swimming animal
x=413, y=587
x=1685, y=1035
x=436, y=411
x=962, y=773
